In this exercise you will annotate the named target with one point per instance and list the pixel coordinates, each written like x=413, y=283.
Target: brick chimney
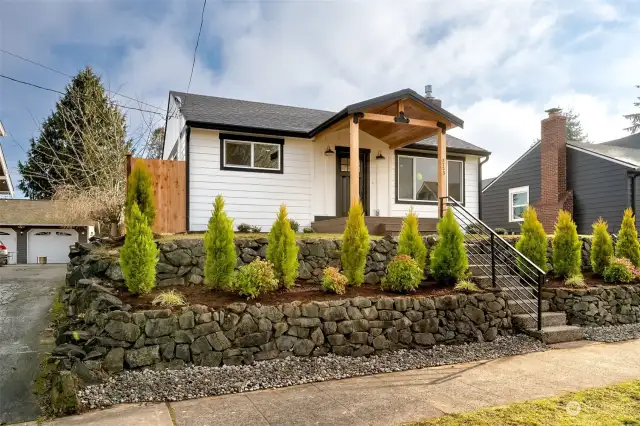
x=428, y=95
x=553, y=169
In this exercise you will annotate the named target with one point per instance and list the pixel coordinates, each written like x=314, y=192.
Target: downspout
x=633, y=174
x=480, y=163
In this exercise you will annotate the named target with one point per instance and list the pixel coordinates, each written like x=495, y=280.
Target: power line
x=70, y=76
x=62, y=93
x=197, y=42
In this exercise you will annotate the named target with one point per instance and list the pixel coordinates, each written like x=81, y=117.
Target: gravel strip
x=613, y=333
x=197, y=382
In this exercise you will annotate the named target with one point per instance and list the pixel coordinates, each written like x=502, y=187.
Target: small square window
x=518, y=202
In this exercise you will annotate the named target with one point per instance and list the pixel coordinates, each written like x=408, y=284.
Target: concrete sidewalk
x=395, y=397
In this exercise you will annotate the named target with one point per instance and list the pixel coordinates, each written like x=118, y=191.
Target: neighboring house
x=589, y=180
x=260, y=155
x=6, y=188
x=31, y=229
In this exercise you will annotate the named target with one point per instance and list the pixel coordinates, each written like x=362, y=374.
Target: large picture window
x=417, y=179
x=518, y=202
x=251, y=154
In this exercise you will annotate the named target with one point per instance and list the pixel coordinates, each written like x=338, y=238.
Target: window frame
x=512, y=192
x=411, y=154
x=252, y=140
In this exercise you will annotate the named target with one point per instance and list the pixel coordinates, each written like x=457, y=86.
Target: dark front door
x=343, y=191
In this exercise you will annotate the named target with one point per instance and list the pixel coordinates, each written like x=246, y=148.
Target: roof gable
x=6, y=187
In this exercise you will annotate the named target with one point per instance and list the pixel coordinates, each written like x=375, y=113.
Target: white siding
x=250, y=197
x=175, y=125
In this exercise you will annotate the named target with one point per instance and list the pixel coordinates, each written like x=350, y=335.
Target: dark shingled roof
x=487, y=181
x=630, y=156
x=34, y=212
x=631, y=141
x=453, y=143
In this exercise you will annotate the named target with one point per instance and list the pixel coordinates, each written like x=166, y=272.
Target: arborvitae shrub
x=219, y=247
x=333, y=281
x=255, y=279
x=532, y=242
x=355, y=246
x=403, y=274
x=566, y=247
x=627, y=245
x=601, y=247
x=449, y=261
x=139, y=254
x=140, y=192
x=410, y=242
x=282, y=250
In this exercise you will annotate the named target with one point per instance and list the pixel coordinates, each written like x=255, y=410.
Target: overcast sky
x=497, y=64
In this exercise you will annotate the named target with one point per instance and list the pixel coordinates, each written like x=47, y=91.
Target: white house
x=260, y=155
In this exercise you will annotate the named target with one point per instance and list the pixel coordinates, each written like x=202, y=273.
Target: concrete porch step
x=518, y=306
x=549, y=319
x=557, y=333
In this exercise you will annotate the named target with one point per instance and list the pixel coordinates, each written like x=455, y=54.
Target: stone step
x=485, y=281
x=518, y=292
x=517, y=306
x=557, y=333
x=485, y=269
x=549, y=319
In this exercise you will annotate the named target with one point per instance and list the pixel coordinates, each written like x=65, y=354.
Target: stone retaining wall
x=105, y=336
x=597, y=305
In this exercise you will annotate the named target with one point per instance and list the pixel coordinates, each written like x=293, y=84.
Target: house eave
x=247, y=129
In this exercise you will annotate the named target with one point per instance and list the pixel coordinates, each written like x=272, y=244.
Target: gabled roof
x=531, y=148
x=453, y=143
x=631, y=141
x=627, y=156
x=6, y=187
x=34, y=212
x=487, y=181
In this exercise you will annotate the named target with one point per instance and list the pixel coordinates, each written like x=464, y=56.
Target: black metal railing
x=500, y=261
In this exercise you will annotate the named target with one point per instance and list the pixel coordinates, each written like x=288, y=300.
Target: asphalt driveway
x=26, y=294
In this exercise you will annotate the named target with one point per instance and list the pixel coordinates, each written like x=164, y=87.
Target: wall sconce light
x=328, y=152
x=380, y=156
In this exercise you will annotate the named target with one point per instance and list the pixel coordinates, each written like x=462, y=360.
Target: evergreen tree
x=573, y=128
x=140, y=192
x=566, y=246
x=282, y=250
x=634, y=118
x=155, y=144
x=85, y=132
x=627, y=245
x=139, y=254
x=355, y=246
x=219, y=248
x=410, y=241
x=601, y=247
x=533, y=241
x=449, y=262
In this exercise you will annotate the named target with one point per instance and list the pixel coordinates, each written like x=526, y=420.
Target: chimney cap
x=554, y=112
x=428, y=91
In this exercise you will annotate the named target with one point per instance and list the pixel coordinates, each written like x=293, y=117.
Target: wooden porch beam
x=391, y=119
x=442, y=169
x=354, y=159
x=400, y=107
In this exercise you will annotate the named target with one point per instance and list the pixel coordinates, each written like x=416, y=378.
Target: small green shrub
x=355, y=246
x=566, y=247
x=139, y=254
x=58, y=311
x=256, y=229
x=220, y=249
x=308, y=230
x=295, y=226
x=620, y=270
x=475, y=228
x=466, y=286
x=244, y=228
x=333, y=281
x=449, y=261
x=282, y=250
x=500, y=231
x=403, y=274
x=169, y=299
x=601, y=247
x=532, y=242
x=140, y=192
x=410, y=241
x=628, y=245
x=255, y=279
x=576, y=281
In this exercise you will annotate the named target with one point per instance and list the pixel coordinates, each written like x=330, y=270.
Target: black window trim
x=406, y=153
x=247, y=138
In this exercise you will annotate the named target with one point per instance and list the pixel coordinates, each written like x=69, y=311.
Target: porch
x=377, y=225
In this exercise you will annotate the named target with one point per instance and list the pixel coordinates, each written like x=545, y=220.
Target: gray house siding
x=600, y=188
x=495, y=199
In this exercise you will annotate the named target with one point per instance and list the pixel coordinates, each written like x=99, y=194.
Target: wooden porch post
x=354, y=159
x=442, y=168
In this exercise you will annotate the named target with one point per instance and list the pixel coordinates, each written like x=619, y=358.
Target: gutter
x=480, y=163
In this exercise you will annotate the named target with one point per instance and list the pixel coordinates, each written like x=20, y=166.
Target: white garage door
x=9, y=238
x=50, y=243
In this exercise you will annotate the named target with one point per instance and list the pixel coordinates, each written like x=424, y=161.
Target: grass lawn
x=612, y=405
x=299, y=236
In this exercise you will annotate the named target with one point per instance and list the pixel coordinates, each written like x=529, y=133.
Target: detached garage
x=33, y=229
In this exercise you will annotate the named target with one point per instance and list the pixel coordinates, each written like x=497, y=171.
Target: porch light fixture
x=380, y=156
x=328, y=152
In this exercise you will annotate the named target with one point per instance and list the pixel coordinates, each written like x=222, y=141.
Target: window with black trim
x=417, y=179
x=249, y=153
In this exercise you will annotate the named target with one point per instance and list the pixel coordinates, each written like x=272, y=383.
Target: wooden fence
x=170, y=193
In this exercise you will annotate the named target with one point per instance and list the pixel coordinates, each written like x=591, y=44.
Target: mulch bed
x=303, y=292
x=590, y=279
